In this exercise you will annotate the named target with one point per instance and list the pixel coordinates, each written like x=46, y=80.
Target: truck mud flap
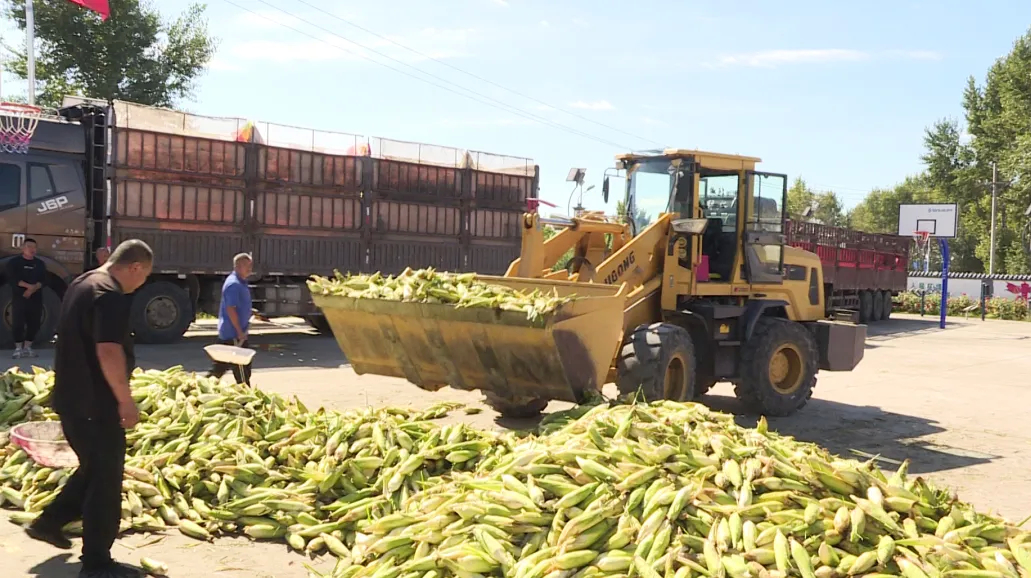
x=841, y=345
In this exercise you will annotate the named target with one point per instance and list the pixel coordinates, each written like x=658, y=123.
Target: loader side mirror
x=605, y=189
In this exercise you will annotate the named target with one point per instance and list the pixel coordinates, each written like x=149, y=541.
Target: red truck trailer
x=201, y=189
x=861, y=271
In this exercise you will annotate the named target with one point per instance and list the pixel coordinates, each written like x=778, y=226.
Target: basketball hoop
x=17, y=125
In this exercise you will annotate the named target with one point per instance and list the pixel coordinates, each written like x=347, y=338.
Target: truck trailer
x=200, y=189
x=862, y=272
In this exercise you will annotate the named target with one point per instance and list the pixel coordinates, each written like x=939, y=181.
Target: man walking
x=26, y=274
x=234, y=316
x=103, y=254
x=92, y=365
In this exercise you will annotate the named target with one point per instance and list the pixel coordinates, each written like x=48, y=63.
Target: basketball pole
x=30, y=52
x=943, y=244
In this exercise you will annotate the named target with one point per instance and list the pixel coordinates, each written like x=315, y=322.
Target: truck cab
x=44, y=196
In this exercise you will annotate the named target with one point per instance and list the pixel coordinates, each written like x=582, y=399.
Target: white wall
x=1010, y=289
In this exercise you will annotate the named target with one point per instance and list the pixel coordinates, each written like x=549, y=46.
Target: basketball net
x=923, y=247
x=17, y=124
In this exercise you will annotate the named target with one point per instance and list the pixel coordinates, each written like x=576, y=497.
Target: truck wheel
x=657, y=362
x=161, y=312
x=524, y=408
x=47, y=322
x=778, y=368
x=877, y=311
x=865, y=306
x=319, y=323
x=888, y=304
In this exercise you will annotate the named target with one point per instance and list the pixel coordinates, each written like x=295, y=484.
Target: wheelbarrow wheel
x=522, y=408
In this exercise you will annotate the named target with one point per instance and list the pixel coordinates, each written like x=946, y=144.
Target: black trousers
x=94, y=491
x=220, y=369
x=25, y=317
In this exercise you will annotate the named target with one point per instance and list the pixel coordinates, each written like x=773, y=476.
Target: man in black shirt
x=92, y=365
x=26, y=274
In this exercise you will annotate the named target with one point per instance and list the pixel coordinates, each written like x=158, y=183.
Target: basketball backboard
x=938, y=220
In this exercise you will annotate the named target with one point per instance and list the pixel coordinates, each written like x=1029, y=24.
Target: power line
x=503, y=106
x=474, y=75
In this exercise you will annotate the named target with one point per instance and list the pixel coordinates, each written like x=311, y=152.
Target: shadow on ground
x=847, y=429
x=896, y=328
x=59, y=566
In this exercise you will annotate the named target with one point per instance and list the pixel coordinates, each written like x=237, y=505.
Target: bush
x=996, y=307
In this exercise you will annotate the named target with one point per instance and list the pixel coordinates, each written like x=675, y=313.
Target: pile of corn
x=677, y=491
x=211, y=458
x=670, y=490
x=430, y=286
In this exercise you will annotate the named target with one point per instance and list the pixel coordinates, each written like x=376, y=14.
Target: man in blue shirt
x=234, y=315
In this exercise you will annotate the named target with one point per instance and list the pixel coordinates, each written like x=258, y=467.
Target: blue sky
x=836, y=92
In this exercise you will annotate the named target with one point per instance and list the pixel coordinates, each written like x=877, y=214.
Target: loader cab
x=732, y=205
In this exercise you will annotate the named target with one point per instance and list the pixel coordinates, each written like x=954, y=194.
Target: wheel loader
x=693, y=285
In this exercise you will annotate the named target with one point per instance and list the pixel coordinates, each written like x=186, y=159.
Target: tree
x=826, y=207
x=641, y=219
x=135, y=55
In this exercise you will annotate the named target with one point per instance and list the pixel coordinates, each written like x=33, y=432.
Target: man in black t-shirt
x=92, y=365
x=26, y=274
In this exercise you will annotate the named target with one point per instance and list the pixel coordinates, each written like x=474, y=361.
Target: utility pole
x=991, y=240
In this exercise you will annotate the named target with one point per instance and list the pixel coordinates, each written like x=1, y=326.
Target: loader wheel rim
x=675, y=379
x=786, y=369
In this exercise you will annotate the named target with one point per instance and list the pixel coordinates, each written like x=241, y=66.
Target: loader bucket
x=561, y=356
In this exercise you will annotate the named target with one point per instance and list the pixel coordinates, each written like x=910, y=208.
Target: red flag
x=99, y=6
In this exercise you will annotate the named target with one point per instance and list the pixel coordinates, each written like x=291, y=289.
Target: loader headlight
x=690, y=226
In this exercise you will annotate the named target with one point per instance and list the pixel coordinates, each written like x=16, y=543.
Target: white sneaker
x=28, y=352
x=18, y=353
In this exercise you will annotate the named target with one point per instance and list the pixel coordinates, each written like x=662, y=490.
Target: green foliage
x=996, y=307
x=641, y=219
x=135, y=55
x=998, y=120
x=826, y=207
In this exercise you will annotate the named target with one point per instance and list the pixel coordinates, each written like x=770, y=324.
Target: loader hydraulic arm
x=586, y=236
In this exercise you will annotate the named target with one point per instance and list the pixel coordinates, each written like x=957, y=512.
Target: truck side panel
x=854, y=261
x=185, y=196
x=307, y=212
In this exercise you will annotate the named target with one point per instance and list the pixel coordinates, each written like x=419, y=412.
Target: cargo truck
x=201, y=189
x=861, y=271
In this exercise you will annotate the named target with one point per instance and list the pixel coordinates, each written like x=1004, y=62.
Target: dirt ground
x=952, y=401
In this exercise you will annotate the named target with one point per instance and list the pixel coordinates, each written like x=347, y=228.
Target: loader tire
x=778, y=368
x=865, y=306
x=657, y=362
x=525, y=408
x=877, y=312
x=888, y=304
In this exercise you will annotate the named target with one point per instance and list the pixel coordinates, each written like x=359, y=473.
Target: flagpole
x=30, y=51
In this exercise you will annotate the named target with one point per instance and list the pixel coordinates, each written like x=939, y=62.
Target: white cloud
x=222, y=65
x=501, y=2
x=773, y=58
x=429, y=42
x=595, y=105
x=544, y=24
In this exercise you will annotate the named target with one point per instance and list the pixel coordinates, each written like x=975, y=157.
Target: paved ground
x=954, y=402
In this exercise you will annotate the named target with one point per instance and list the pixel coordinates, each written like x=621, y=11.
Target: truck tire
x=47, y=322
x=877, y=311
x=865, y=306
x=524, y=408
x=888, y=305
x=657, y=362
x=161, y=312
x=778, y=368
x=319, y=323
